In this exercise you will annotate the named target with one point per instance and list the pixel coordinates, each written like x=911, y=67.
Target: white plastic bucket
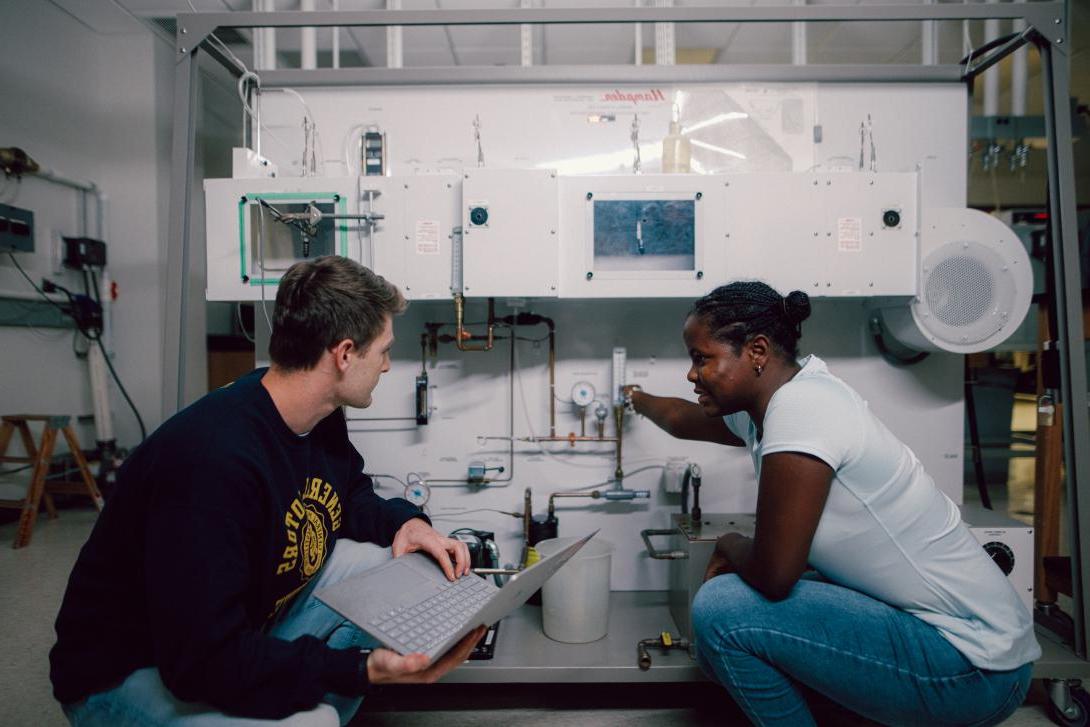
x=575, y=601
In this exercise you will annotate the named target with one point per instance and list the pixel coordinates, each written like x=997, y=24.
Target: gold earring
x=758, y=369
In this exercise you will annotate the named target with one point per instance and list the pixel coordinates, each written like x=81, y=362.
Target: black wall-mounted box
x=84, y=251
x=16, y=229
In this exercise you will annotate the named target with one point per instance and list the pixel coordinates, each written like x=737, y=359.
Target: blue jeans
x=874, y=659
x=142, y=699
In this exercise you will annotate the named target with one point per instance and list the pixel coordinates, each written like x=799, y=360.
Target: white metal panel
x=1009, y=543
x=914, y=127
x=823, y=233
x=235, y=270
x=411, y=245
x=575, y=130
x=383, y=244
x=432, y=211
x=515, y=251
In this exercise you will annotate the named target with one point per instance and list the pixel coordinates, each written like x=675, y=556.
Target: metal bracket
x=194, y=28
x=662, y=554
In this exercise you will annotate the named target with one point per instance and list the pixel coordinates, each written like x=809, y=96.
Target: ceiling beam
x=1046, y=17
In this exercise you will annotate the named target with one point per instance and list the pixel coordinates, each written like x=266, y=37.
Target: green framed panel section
x=249, y=199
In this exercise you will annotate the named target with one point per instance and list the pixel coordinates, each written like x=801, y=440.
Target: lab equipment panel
x=419, y=253
x=848, y=234
x=638, y=236
x=510, y=232
x=1009, y=543
x=257, y=228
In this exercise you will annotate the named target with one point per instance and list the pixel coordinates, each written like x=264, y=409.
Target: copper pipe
x=462, y=335
x=594, y=494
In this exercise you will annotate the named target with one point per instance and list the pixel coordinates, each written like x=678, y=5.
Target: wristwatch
x=365, y=686
x=628, y=396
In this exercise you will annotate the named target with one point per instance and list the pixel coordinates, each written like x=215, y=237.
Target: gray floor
x=34, y=578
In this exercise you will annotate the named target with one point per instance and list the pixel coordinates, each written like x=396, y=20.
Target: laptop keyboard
x=436, y=618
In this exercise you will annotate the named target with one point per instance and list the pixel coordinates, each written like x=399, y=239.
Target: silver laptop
x=411, y=607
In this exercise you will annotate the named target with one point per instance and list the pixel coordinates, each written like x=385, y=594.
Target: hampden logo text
x=634, y=97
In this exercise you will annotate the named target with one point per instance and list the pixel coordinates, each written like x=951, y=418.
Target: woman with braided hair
x=901, y=616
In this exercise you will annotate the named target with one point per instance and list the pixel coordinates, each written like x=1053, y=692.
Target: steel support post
x=1068, y=289
x=183, y=160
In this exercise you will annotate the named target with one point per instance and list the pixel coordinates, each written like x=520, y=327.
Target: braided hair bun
x=737, y=312
x=796, y=306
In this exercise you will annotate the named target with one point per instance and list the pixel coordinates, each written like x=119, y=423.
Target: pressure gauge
x=582, y=394
x=417, y=492
x=1001, y=554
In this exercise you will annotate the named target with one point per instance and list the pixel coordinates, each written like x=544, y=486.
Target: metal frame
x=1046, y=28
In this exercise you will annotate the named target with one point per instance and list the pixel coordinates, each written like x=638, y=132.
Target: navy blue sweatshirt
x=218, y=520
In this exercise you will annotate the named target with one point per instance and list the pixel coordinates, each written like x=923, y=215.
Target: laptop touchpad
x=407, y=579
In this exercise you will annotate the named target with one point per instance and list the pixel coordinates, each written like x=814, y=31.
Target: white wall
x=94, y=107
x=98, y=106
x=89, y=106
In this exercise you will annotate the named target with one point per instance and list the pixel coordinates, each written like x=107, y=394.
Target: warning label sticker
x=849, y=234
x=427, y=237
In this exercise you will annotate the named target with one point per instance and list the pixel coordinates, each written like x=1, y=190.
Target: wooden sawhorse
x=39, y=456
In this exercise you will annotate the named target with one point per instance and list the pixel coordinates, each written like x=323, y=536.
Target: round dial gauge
x=417, y=492
x=582, y=394
x=1001, y=555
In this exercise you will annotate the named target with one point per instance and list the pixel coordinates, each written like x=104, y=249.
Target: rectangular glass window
x=644, y=234
x=275, y=245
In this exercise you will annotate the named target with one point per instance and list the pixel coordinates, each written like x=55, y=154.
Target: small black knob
x=478, y=216
x=891, y=218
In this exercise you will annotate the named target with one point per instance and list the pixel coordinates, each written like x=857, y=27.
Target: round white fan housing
x=975, y=285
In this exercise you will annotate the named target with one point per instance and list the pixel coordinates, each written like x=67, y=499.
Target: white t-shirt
x=887, y=530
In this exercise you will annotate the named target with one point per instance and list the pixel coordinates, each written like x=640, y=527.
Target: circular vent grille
x=975, y=285
x=960, y=291
x=968, y=294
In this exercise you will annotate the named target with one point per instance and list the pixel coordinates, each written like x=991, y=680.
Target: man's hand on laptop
x=417, y=535
x=388, y=667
